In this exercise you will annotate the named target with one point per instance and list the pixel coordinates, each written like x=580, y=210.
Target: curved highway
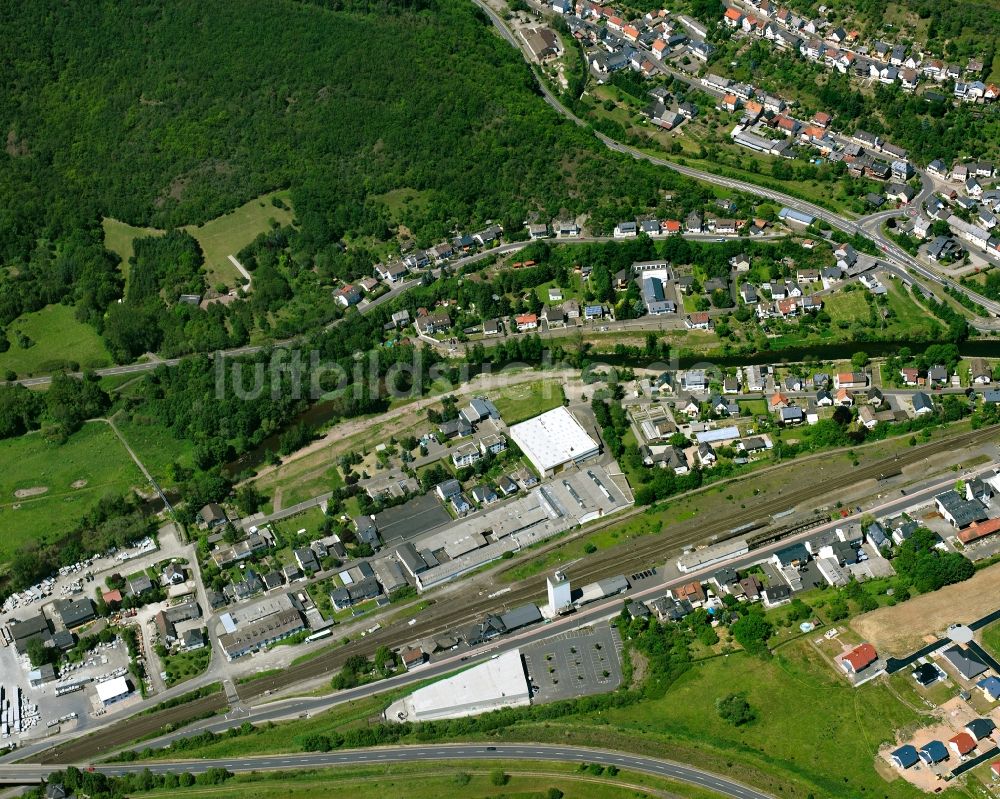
x=23, y=774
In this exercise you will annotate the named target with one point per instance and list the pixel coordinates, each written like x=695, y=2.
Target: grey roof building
x=966, y=662
x=306, y=559
x=520, y=617
x=959, y=511
x=140, y=584
x=412, y=560
x=76, y=612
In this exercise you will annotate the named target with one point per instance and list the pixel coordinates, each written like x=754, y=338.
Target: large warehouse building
x=554, y=439
x=497, y=683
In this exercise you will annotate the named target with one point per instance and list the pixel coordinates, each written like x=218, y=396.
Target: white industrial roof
x=718, y=434
x=112, y=689
x=553, y=439
x=499, y=682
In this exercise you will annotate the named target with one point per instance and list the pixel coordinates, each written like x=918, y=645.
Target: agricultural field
x=56, y=340
x=900, y=629
x=46, y=487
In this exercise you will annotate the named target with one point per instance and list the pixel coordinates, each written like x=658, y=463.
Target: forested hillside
x=165, y=114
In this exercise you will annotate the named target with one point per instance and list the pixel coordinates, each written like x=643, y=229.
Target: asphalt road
x=18, y=774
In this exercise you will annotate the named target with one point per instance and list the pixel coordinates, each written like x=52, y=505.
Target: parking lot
x=578, y=663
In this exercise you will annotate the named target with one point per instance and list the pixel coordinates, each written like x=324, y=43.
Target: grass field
x=814, y=734
x=908, y=313
x=991, y=639
x=93, y=455
x=59, y=339
x=185, y=665
x=517, y=403
x=825, y=744
x=850, y=306
x=753, y=407
x=399, y=201
x=309, y=521
x=219, y=238
x=228, y=234
x=156, y=447
x=118, y=238
x=471, y=779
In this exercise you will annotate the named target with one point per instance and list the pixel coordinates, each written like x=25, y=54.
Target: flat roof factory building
x=554, y=439
x=498, y=683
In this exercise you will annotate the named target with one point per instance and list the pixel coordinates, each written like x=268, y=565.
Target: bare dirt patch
x=901, y=629
x=640, y=665
x=78, y=484
x=34, y=491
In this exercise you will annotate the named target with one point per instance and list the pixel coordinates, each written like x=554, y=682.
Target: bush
x=735, y=709
x=499, y=777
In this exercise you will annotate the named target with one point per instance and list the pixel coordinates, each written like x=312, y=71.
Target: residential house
x=958, y=511
x=850, y=380
x=626, y=230
x=429, y=324
x=212, y=515
x=859, y=658
x=706, y=454
x=791, y=416
x=962, y=744
x=460, y=504
x=554, y=316
x=933, y=752
x=980, y=371
x=347, y=296
x=306, y=559
x=484, y=495
x=922, y=404
x=905, y=756
x=965, y=662
x=775, y=595
x=990, y=686
x=528, y=321
x=980, y=728
x=699, y=321
x=465, y=455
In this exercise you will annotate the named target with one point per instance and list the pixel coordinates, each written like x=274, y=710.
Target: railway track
x=446, y=616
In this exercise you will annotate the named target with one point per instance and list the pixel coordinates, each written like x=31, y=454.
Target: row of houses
x=839, y=49
x=694, y=223
x=419, y=260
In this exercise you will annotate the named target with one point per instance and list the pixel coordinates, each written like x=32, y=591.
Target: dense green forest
x=170, y=114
